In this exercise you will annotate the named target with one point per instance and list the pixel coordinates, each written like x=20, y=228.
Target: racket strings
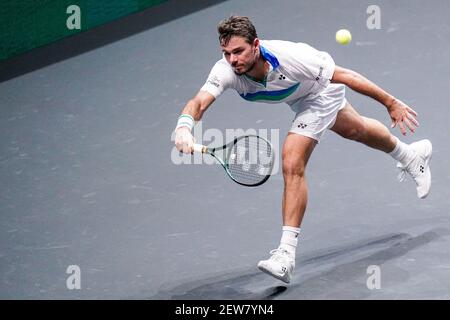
x=250, y=161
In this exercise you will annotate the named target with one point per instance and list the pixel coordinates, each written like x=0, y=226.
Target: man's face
x=240, y=54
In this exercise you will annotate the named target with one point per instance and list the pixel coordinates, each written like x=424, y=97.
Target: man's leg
x=351, y=125
x=413, y=158
x=297, y=150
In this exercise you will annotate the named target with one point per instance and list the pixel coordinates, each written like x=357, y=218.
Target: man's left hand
x=402, y=115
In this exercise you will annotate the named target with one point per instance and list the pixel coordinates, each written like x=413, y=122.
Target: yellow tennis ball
x=343, y=36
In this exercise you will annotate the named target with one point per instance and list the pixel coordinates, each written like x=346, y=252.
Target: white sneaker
x=280, y=265
x=419, y=167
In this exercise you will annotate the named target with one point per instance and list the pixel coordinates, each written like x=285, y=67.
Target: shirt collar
x=269, y=56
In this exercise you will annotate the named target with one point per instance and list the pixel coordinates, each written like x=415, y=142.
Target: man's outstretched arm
x=192, y=112
x=399, y=112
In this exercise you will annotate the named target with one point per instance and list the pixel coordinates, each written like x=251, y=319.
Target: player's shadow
x=316, y=274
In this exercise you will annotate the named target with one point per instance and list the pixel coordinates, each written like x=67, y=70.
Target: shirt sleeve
x=220, y=78
x=312, y=64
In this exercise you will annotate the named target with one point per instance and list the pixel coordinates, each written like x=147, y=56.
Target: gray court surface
x=87, y=176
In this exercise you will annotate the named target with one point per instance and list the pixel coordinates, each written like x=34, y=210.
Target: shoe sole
x=428, y=156
x=279, y=277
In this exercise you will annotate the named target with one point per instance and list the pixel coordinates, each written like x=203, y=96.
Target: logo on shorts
x=281, y=77
x=302, y=125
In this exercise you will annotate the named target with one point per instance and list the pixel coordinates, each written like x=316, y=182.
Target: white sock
x=402, y=152
x=289, y=239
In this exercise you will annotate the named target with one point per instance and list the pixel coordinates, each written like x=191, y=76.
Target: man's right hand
x=184, y=141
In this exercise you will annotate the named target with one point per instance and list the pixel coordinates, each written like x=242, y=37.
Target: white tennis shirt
x=296, y=70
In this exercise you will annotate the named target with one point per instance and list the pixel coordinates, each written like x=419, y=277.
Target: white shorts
x=316, y=114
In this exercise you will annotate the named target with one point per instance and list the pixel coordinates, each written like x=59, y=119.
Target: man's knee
x=350, y=125
x=293, y=167
x=355, y=134
x=296, y=152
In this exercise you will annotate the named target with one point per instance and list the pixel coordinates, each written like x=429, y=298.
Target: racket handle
x=199, y=148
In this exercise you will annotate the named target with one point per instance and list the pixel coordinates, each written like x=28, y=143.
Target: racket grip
x=199, y=148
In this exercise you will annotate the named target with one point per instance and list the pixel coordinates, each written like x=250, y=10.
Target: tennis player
x=308, y=80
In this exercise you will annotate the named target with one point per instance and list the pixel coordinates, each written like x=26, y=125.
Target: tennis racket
x=248, y=160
